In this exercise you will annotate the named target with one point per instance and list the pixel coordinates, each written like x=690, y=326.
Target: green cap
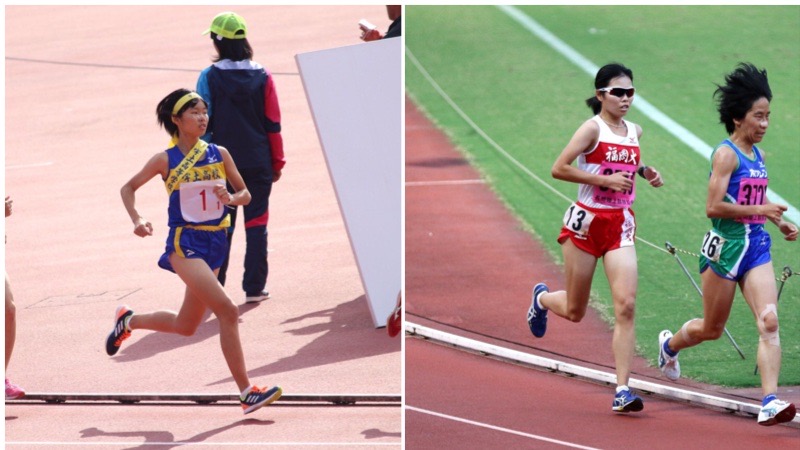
x=228, y=25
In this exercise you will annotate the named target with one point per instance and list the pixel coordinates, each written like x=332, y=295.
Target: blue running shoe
x=258, y=397
x=537, y=317
x=626, y=401
x=120, y=331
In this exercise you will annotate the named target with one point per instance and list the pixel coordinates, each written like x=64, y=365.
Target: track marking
x=304, y=227
x=496, y=428
x=28, y=166
x=444, y=183
x=114, y=66
x=653, y=113
x=206, y=444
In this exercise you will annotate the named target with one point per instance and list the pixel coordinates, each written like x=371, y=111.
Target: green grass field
x=529, y=99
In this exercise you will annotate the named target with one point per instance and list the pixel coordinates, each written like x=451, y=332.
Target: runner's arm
x=157, y=165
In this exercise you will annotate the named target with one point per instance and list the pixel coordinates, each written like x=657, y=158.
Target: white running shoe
x=255, y=298
x=669, y=365
x=775, y=412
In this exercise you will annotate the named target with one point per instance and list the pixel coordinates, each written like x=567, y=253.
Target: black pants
x=256, y=216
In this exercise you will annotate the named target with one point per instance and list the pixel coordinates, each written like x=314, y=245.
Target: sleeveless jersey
x=192, y=201
x=747, y=186
x=612, y=154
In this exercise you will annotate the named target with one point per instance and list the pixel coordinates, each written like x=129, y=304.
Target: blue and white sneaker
x=775, y=412
x=256, y=397
x=537, y=317
x=626, y=401
x=669, y=365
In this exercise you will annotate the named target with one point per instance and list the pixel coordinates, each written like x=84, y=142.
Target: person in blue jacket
x=245, y=118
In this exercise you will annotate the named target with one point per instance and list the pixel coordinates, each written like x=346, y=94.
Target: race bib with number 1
x=199, y=203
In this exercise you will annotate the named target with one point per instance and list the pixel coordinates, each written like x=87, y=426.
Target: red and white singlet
x=612, y=154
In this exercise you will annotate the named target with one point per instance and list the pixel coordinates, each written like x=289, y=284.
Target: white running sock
x=247, y=391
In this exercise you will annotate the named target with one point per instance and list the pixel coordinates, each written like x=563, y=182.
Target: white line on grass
x=496, y=428
x=491, y=141
x=674, y=128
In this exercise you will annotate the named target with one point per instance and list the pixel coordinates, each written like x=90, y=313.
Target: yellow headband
x=184, y=100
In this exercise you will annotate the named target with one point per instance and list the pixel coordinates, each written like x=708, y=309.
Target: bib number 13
x=712, y=246
x=578, y=219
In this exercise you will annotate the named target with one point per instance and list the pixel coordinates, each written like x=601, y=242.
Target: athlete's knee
x=713, y=333
x=576, y=307
x=710, y=331
x=695, y=336
x=625, y=308
x=769, y=318
x=575, y=314
x=768, y=326
x=226, y=311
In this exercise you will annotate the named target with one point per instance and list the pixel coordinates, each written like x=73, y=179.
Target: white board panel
x=355, y=95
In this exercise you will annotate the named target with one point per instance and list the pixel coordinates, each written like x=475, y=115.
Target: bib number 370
x=712, y=246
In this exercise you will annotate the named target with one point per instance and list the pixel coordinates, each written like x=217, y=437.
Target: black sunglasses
x=619, y=91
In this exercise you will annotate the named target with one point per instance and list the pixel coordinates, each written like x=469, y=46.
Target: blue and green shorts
x=733, y=258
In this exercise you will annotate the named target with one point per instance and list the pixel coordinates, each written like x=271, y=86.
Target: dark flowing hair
x=743, y=87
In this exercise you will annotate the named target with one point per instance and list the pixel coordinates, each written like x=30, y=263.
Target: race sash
x=191, y=158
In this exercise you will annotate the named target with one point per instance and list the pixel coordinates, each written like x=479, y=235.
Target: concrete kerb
x=206, y=399
x=526, y=359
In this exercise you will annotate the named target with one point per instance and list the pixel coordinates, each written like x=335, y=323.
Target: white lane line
x=29, y=166
x=672, y=127
x=496, y=428
x=443, y=183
